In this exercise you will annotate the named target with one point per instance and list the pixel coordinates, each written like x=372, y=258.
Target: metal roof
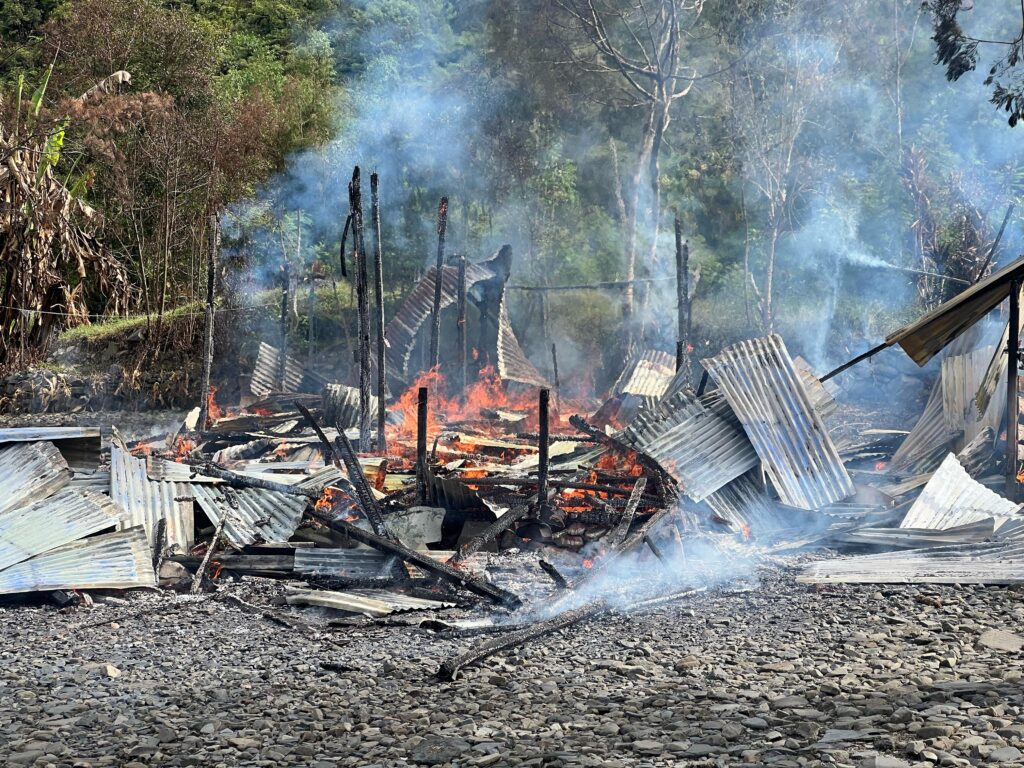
x=119, y=560
x=929, y=440
x=744, y=503
x=694, y=443
x=369, y=602
x=646, y=374
x=253, y=515
x=513, y=364
x=349, y=563
x=62, y=518
x=952, y=498
x=417, y=308
x=265, y=374
x=762, y=385
x=923, y=339
x=341, y=406
x=146, y=502
x=962, y=376
x=29, y=472
x=49, y=434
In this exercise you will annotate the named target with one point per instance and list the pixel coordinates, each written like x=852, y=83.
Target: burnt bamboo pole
x=378, y=290
x=1012, y=403
x=460, y=328
x=682, y=303
x=421, y=444
x=543, y=444
x=435, y=313
x=355, y=197
x=211, y=285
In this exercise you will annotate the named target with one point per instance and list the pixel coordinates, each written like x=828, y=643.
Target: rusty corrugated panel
x=415, y=310
x=695, y=441
x=253, y=515
x=66, y=516
x=29, y=472
x=146, y=502
x=762, y=385
x=646, y=374
x=368, y=602
x=513, y=364
x=119, y=560
x=341, y=406
x=923, y=339
x=265, y=375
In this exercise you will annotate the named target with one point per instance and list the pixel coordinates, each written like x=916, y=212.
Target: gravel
x=781, y=674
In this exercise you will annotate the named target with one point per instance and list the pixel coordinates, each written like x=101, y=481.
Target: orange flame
x=326, y=501
x=588, y=563
x=880, y=465
x=213, y=410
x=183, y=447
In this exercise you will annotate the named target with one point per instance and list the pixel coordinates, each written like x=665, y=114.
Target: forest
x=833, y=168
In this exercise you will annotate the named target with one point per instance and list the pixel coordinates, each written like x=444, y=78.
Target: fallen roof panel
x=767, y=393
x=513, y=364
x=29, y=472
x=647, y=374
x=347, y=563
x=252, y=515
x=146, y=502
x=369, y=602
x=119, y=560
x=266, y=374
x=67, y=516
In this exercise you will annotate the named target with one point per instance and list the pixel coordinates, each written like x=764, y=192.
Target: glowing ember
x=326, y=501
x=588, y=563
x=183, y=447
x=880, y=465
x=213, y=410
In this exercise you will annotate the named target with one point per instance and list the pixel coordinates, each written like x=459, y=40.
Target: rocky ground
x=781, y=674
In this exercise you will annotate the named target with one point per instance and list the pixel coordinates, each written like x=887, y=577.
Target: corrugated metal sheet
x=146, y=502
x=67, y=516
x=923, y=339
x=929, y=440
x=253, y=515
x=995, y=373
x=695, y=444
x=996, y=563
x=761, y=383
x=744, y=503
x=822, y=394
x=265, y=374
x=119, y=560
x=513, y=364
x=369, y=602
x=29, y=472
x=952, y=498
x=415, y=310
x=961, y=378
x=341, y=406
x=348, y=563
x=47, y=434
x=164, y=470
x=647, y=374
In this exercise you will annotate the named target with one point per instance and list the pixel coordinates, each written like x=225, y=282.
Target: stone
x=437, y=750
x=648, y=747
x=111, y=670
x=1005, y=755
x=998, y=640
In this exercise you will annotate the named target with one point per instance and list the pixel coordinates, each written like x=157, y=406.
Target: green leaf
x=37, y=97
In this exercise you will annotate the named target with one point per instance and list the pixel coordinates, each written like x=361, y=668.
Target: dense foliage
x=807, y=147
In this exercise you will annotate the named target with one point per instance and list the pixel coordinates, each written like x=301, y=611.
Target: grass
x=121, y=326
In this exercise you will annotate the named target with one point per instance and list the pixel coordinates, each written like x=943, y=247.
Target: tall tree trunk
x=642, y=164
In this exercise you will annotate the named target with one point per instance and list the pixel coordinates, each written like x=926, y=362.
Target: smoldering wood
x=450, y=668
x=435, y=312
x=858, y=359
x=543, y=444
x=421, y=444
x=236, y=480
x=704, y=383
x=197, y=580
x=282, y=359
x=421, y=561
x=460, y=328
x=344, y=242
x=554, y=370
x=363, y=493
x=1012, y=402
x=160, y=547
x=683, y=320
x=553, y=573
x=618, y=536
x=493, y=531
x=657, y=474
x=362, y=307
x=211, y=281
x=655, y=549
x=378, y=287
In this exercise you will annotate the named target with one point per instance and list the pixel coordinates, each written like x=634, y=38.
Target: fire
x=213, y=410
x=746, y=531
x=281, y=451
x=380, y=476
x=183, y=447
x=326, y=501
x=142, y=450
x=880, y=465
x=628, y=464
x=588, y=563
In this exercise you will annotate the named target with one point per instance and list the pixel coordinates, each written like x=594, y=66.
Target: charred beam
x=235, y=480
x=435, y=314
x=378, y=290
x=211, y=283
x=493, y=531
x=421, y=444
x=355, y=198
x=542, y=450
x=460, y=328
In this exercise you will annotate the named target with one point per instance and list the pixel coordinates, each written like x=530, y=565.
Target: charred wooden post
x=197, y=580
x=378, y=290
x=491, y=532
x=355, y=197
x=618, y=536
x=553, y=573
x=282, y=360
x=704, y=383
x=211, y=282
x=344, y=240
x=543, y=444
x=421, y=444
x=554, y=368
x=682, y=302
x=460, y=328
x=1012, y=403
x=435, y=314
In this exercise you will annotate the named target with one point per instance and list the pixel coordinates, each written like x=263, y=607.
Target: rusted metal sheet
x=341, y=405
x=29, y=472
x=118, y=560
x=762, y=385
x=66, y=516
x=924, y=338
x=146, y=502
x=513, y=364
x=266, y=374
x=993, y=563
x=253, y=516
x=646, y=374
x=415, y=310
x=696, y=441
x=368, y=602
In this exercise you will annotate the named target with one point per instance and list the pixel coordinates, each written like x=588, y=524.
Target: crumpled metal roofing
x=415, y=310
x=744, y=503
x=961, y=378
x=29, y=472
x=928, y=441
x=252, y=515
x=46, y=434
x=60, y=519
x=118, y=560
x=348, y=563
x=762, y=385
x=952, y=498
x=695, y=441
x=146, y=502
x=265, y=374
x=513, y=364
x=369, y=602
x=341, y=406
x=646, y=374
